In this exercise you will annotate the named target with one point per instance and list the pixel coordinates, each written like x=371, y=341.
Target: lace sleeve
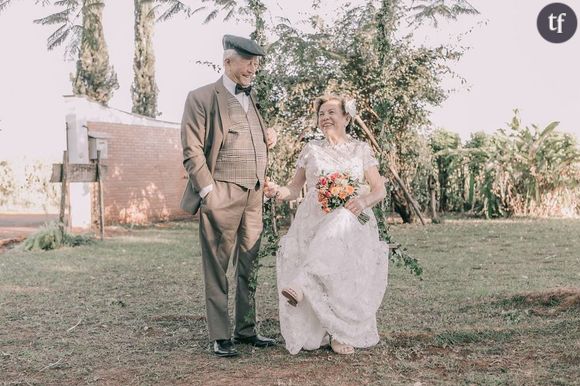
x=368, y=156
x=303, y=157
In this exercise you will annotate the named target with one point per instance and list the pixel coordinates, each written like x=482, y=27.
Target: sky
x=508, y=65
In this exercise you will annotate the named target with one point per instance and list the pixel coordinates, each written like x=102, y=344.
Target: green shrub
x=50, y=236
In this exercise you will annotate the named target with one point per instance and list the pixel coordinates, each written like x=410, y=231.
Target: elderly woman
x=332, y=268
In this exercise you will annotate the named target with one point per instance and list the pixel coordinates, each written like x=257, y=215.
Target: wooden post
x=101, y=199
x=62, y=218
x=375, y=144
x=370, y=135
x=273, y=214
x=408, y=196
x=432, y=187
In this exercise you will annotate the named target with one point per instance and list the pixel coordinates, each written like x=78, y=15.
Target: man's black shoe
x=256, y=341
x=224, y=348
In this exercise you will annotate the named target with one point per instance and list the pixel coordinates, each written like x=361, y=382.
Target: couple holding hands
x=331, y=268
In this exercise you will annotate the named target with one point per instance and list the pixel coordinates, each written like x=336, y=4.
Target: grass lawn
x=499, y=304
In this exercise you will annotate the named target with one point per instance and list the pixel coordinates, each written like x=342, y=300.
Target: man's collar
x=230, y=85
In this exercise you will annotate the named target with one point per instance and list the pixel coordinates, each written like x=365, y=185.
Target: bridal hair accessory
x=350, y=107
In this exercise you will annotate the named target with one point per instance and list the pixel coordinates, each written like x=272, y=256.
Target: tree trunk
x=144, y=89
x=442, y=190
x=402, y=207
x=433, y=194
x=258, y=8
x=471, y=197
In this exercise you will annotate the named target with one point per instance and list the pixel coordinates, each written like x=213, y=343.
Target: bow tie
x=243, y=89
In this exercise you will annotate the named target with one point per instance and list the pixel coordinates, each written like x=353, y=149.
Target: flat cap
x=242, y=45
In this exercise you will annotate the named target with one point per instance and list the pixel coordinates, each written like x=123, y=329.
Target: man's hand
x=271, y=189
x=271, y=137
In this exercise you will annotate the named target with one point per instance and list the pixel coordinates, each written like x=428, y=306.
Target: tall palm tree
x=80, y=27
x=94, y=76
x=71, y=21
x=144, y=89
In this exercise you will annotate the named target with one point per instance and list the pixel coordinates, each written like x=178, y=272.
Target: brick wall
x=145, y=177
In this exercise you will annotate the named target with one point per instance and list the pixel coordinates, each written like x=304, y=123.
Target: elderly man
x=225, y=148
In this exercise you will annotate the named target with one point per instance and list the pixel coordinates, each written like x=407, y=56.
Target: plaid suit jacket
x=204, y=125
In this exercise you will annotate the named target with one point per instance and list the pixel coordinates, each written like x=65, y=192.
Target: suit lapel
x=222, y=98
x=253, y=100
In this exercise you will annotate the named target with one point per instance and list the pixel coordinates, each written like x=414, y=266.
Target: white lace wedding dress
x=340, y=265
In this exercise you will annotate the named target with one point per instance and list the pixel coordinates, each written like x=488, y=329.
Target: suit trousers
x=230, y=224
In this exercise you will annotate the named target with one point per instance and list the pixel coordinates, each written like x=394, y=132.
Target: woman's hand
x=356, y=205
x=271, y=189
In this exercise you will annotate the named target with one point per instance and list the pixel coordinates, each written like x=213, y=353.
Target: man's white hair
x=230, y=53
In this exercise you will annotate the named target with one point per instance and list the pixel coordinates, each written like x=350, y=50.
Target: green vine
x=399, y=254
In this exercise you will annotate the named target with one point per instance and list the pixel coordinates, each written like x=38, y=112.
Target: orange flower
x=342, y=195
x=349, y=190
x=335, y=190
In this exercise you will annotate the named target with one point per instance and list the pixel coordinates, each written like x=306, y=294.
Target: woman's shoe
x=294, y=296
x=341, y=348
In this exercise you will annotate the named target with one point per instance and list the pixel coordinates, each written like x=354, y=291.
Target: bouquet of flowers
x=336, y=189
